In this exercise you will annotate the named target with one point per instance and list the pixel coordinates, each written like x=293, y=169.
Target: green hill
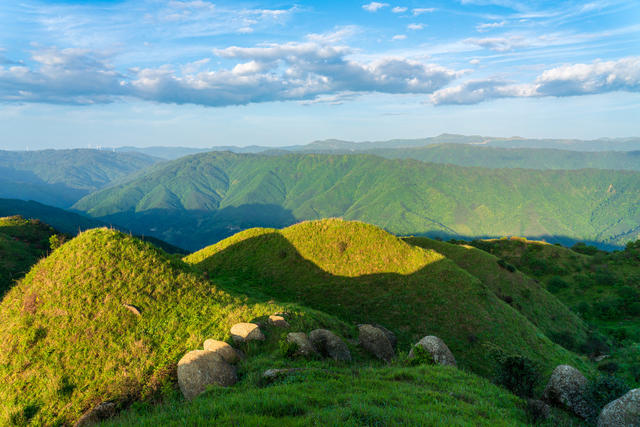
x=203, y=198
x=601, y=287
x=69, y=342
x=22, y=243
x=362, y=274
x=61, y=177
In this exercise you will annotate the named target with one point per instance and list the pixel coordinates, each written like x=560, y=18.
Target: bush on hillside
x=556, y=284
x=585, y=249
x=566, y=339
x=595, y=345
x=504, y=264
x=518, y=374
x=605, y=389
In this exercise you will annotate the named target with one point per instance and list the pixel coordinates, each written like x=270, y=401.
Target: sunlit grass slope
x=22, y=243
x=68, y=341
x=363, y=274
x=338, y=396
x=519, y=290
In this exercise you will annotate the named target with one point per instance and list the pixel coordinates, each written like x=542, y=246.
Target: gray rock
x=304, y=347
x=278, y=321
x=272, y=374
x=228, y=353
x=245, y=332
x=375, y=341
x=622, y=412
x=437, y=348
x=390, y=335
x=538, y=410
x=200, y=368
x=566, y=388
x=96, y=414
x=329, y=344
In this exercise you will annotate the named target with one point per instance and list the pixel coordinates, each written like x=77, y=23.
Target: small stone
x=228, y=353
x=132, y=308
x=330, y=345
x=437, y=348
x=278, y=321
x=272, y=374
x=304, y=347
x=199, y=369
x=245, y=332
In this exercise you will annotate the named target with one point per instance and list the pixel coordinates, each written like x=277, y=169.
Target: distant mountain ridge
x=202, y=198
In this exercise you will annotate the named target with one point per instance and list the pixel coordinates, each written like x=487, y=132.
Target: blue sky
x=200, y=73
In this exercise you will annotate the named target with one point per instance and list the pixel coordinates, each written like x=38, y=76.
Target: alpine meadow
x=260, y=213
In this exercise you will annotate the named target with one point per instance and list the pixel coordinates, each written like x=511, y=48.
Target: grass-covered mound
x=22, y=243
x=517, y=289
x=363, y=274
x=601, y=287
x=425, y=395
x=68, y=341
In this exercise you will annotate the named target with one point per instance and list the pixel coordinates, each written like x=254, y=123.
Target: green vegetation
x=425, y=395
x=22, y=243
x=203, y=198
x=362, y=274
x=61, y=177
x=69, y=342
x=601, y=287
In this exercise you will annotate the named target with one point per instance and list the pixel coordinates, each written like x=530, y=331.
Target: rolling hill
x=362, y=274
x=61, y=177
x=199, y=199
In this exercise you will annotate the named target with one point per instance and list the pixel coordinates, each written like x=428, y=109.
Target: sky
x=109, y=73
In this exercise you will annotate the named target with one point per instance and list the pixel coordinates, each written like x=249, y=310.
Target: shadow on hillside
x=25, y=185
x=440, y=299
x=195, y=229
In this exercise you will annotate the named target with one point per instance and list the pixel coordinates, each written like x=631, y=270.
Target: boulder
x=200, y=368
x=245, y=332
x=96, y=414
x=329, y=344
x=437, y=348
x=566, y=388
x=624, y=411
x=228, y=353
x=390, y=335
x=278, y=321
x=375, y=341
x=301, y=340
x=538, y=410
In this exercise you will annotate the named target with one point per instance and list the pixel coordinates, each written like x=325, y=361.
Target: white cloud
x=499, y=44
x=421, y=10
x=399, y=37
x=566, y=80
x=489, y=26
x=374, y=6
x=399, y=9
x=415, y=27
x=474, y=61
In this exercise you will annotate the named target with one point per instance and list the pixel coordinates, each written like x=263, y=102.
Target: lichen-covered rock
x=245, y=332
x=375, y=341
x=228, y=353
x=437, y=348
x=301, y=340
x=538, y=410
x=390, y=335
x=278, y=321
x=622, y=412
x=96, y=414
x=200, y=368
x=330, y=345
x=566, y=388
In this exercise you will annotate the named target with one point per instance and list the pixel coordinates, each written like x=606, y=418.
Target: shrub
x=556, y=284
x=518, y=374
x=504, y=264
x=421, y=357
x=565, y=338
x=594, y=345
x=585, y=249
x=288, y=349
x=609, y=367
x=605, y=389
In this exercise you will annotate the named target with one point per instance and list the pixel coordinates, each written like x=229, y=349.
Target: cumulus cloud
x=374, y=6
x=421, y=10
x=399, y=9
x=415, y=27
x=567, y=80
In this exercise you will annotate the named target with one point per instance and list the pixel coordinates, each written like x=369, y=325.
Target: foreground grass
x=425, y=395
x=68, y=341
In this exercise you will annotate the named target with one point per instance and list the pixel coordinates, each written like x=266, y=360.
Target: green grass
x=197, y=200
x=22, y=243
x=425, y=395
x=362, y=274
x=602, y=288
x=67, y=342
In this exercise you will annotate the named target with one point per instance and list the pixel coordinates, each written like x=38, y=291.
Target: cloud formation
x=374, y=6
x=275, y=72
x=567, y=80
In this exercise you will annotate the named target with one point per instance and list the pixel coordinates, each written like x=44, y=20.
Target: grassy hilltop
x=203, y=198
